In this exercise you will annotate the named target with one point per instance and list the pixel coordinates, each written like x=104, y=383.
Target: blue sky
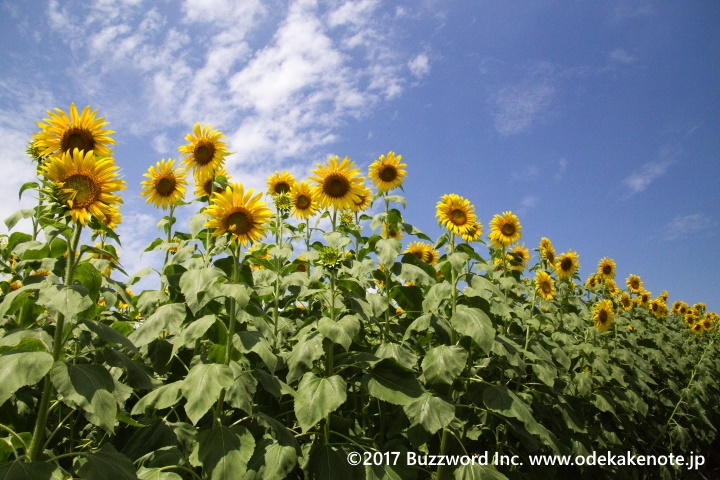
x=595, y=122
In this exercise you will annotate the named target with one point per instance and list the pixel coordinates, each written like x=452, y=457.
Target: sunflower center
x=239, y=222
x=458, y=217
x=165, y=186
x=508, y=229
x=607, y=269
x=204, y=153
x=336, y=186
x=546, y=288
x=388, y=173
x=635, y=284
x=282, y=187
x=77, y=137
x=550, y=257
x=566, y=264
x=302, y=202
x=84, y=190
x=602, y=316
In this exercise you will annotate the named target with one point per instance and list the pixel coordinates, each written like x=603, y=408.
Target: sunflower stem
x=386, y=270
x=169, y=236
x=36, y=444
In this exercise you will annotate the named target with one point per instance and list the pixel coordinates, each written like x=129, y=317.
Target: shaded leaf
x=167, y=318
x=89, y=387
x=474, y=323
x=202, y=388
x=431, y=412
x=317, y=397
x=106, y=464
x=443, y=364
x=20, y=369
x=392, y=383
x=224, y=452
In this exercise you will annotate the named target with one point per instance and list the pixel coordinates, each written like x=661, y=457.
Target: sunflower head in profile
x=387, y=173
x=544, y=285
x=338, y=184
x=547, y=251
x=84, y=184
x=699, y=308
x=419, y=249
x=165, y=186
x=505, y=229
x=238, y=213
x=278, y=183
x=113, y=217
x=472, y=233
x=567, y=264
x=518, y=257
x=304, y=205
x=62, y=133
x=204, y=181
x=593, y=281
x=606, y=268
x=634, y=284
x=365, y=199
x=393, y=232
x=205, y=151
x=603, y=315
x=455, y=213
x=658, y=308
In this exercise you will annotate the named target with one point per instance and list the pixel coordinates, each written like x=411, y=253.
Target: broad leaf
x=392, y=383
x=443, y=364
x=317, y=397
x=474, y=323
x=106, y=464
x=162, y=397
x=431, y=412
x=167, y=318
x=202, y=388
x=20, y=369
x=224, y=452
x=341, y=332
x=22, y=470
x=89, y=387
x=63, y=299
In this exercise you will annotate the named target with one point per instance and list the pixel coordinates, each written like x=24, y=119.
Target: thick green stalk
x=35, y=449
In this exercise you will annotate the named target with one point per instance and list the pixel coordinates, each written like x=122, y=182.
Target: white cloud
x=528, y=203
x=639, y=180
x=562, y=168
x=517, y=107
x=685, y=226
x=621, y=56
x=420, y=65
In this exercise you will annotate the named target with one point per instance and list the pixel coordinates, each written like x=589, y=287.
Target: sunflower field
x=295, y=330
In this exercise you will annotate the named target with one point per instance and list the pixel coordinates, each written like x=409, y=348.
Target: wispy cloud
x=641, y=179
x=621, y=56
x=516, y=108
x=528, y=203
x=561, y=169
x=685, y=226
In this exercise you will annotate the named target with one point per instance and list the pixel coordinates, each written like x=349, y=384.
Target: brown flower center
x=566, y=264
x=302, y=202
x=165, y=186
x=336, y=186
x=607, y=269
x=546, y=288
x=458, y=217
x=204, y=153
x=550, y=256
x=282, y=187
x=508, y=229
x=388, y=173
x=239, y=222
x=84, y=190
x=602, y=316
x=77, y=137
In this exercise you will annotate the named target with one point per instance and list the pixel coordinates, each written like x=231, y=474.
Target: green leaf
x=388, y=250
x=89, y=387
x=443, y=364
x=13, y=219
x=302, y=356
x=545, y=373
x=272, y=461
x=431, y=412
x=416, y=275
x=474, y=323
x=202, y=388
x=167, y=318
x=195, y=331
x=67, y=300
x=317, y=397
x=106, y=464
x=162, y=397
x=108, y=334
x=437, y=294
x=196, y=286
x=156, y=474
x=197, y=223
x=253, y=341
x=398, y=352
x=392, y=383
x=15, y=300
x=341, y=332
x=90, y=278
x=224, y=452
x=22, y=470
x=329, y=461
x=20, y=369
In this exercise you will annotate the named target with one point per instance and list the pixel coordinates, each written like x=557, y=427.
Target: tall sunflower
x=278, y=183
x=204, y=181
x=455, y=213
x=304, y=203
x=544, y=285
x=165, y=186
x=547, y=251
x=63, y=133
x=240, y=213
x=634, y=284
x=606, y=268
x=206, y=152
x=603, y=315
x=338, y=184
x=387, y=173
x=85, y=184
x=567, y=264
x=505, y=229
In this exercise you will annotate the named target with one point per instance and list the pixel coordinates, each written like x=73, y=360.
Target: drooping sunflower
x=455, y=213
x=505, y=229
x=304, y=204
x=204, y=181
x=606, y=268
x=544, y=285
x=387, y=173
x=567, y=264
x=547, y=251
x=85, y=184
x=278, y=183
x=165, y=186
x=338, y=184
x=634, y=284
x=63, y=133
x=239, y=213
x=603, y=315
x=473, y=233
x=205, y=151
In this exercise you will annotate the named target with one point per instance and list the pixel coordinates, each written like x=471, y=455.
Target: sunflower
x=547, y=251
x=519, y=256
x=204, y=181
x=419, y=249
x=166, y=186
x=690, y=319
x=239, y=213
x=473, y=233
x=593, y=281
x=634, y=284
x=644, y=298
x=567, y=264
x=280, y=183
x=626, y=301
x=339, y=184
x=365, y=199
x=658, y=308
x=505, y=229
x=387, y=173
x=697, y=328
x=707, y=322
x=456, y=213
x=603, y=315
x=205, y=153
x=699, y=308
x=84, y=184
x=304, y=204
x=62, y=133
x=544, y=285
x=606, y=268
x=664, y=295
x=392, y=232
x=675, y=309
x=113, y=218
